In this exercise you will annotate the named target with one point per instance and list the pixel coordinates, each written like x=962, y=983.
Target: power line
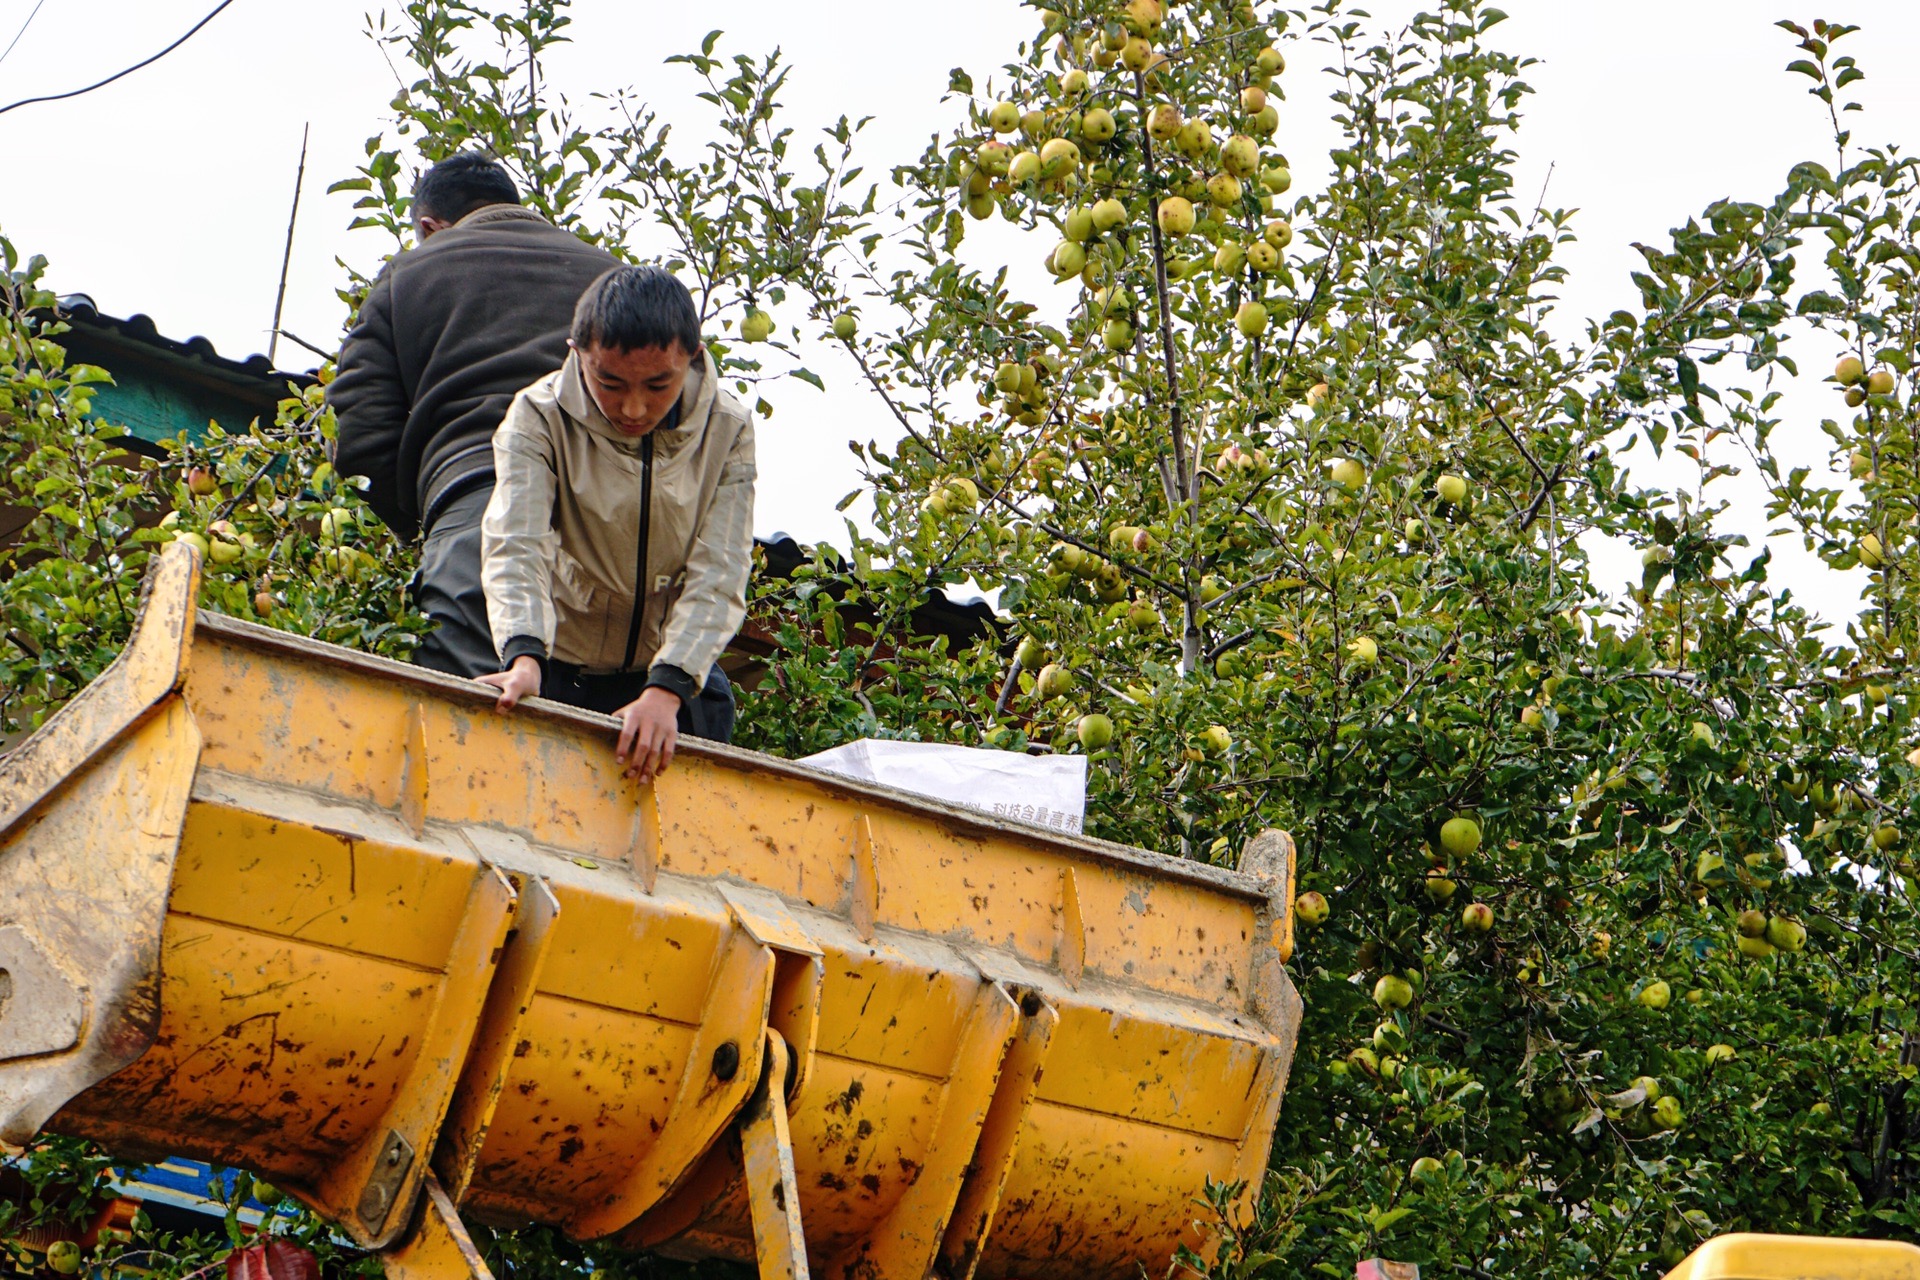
x=23, y=29
x=101, y=84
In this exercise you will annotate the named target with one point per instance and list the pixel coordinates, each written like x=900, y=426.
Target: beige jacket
x=561, y=537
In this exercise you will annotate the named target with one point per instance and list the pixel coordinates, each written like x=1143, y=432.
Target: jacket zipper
x=640, y=568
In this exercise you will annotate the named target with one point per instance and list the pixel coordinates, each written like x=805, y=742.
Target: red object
x=274, y=1260
x=1381, y=1269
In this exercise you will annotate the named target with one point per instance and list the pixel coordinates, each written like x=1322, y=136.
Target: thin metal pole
x=286, y=259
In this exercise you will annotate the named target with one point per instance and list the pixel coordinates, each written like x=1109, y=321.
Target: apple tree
x=1292, y=506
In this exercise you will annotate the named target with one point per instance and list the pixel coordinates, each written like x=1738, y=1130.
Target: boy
x=616, y=547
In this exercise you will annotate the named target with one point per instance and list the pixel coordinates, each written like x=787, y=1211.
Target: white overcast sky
x=167, y=193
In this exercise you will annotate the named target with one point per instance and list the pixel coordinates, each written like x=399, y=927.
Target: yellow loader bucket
x=269, y=903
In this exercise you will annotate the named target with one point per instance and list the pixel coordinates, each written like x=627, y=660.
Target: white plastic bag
x=1048, y=791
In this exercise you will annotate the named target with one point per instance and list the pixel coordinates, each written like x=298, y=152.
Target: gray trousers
x=447, y=589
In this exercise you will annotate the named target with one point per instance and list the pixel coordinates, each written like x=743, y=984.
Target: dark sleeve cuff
x=664, y=675
x=524, y=646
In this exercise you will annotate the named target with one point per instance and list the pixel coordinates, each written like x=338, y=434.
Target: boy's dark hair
x=629, y=308
x=463, y=182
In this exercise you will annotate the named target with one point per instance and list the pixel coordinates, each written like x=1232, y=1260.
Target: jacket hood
x=696, y=405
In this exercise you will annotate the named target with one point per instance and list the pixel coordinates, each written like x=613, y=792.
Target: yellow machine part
x=1760, y=1257
x=331, y=918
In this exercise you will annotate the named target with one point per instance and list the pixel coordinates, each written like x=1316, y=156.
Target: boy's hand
x=649, y=731
x=521, y=680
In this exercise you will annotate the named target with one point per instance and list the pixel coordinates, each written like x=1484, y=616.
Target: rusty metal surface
x=400, y=929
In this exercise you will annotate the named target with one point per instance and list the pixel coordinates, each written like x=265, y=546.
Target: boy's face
x=635, y=389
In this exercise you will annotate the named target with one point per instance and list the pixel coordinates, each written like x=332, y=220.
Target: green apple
x=1117, y=335
x=1053, y=681
x=1392, y=992
x=1074, y=83
x=1094, y=731
x=1240, y=156
x=1600, y=945
x=1452, y=489
x=1701, y=735
x=1886, y=837
x=1253, y=100
x=1648, y=1085
x=1345, y=472
x=1859, y=465
x=63, y=1257
x=1365, y=1059
x=1251, y=318
x=756, y=326
x=1270, y=61
x=1667, y=1113
x=1312, y=907
x=1108, y=214
x=1216, y=741
x=1194, y=140
x=1136, y=54
x=1278, y=233
x=1440, y=889
x=263, y=603
x=1460, y=836
x=1870, y=551
x=197, y=541
x=1007, y=377
x=1276, y=180
x=1097, y=125
x=845, y=325
x=1786, y=935
x=1024, y=167
x=336, y=522
x=1476, y=917
x=1058, y=157
x=1145, y=16
x=1143, y=617
x=1695, y=996
x=1223, y=190
x=1319, y=396
x=1427, y=1169
x=1531, y=717
x=1262, y=256
x=1717, y=1053
x=1069, y=259
x=1229, y=257
x=1655, y=995
x=1751, y=923
x=220, y=551
x=202, y=482
x=1363, y=650
x=1880, y=382
x=1164, y=121
x=1031, y=653
x=1753, y=948
x=1004, y=117
x=1175, y=215
x=1212, y=587
x=1849, y=371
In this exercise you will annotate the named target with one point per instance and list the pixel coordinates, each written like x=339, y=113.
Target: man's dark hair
x=463, y=182
x=629, y=308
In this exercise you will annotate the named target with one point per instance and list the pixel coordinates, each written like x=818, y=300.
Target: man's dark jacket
x=449, y=334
